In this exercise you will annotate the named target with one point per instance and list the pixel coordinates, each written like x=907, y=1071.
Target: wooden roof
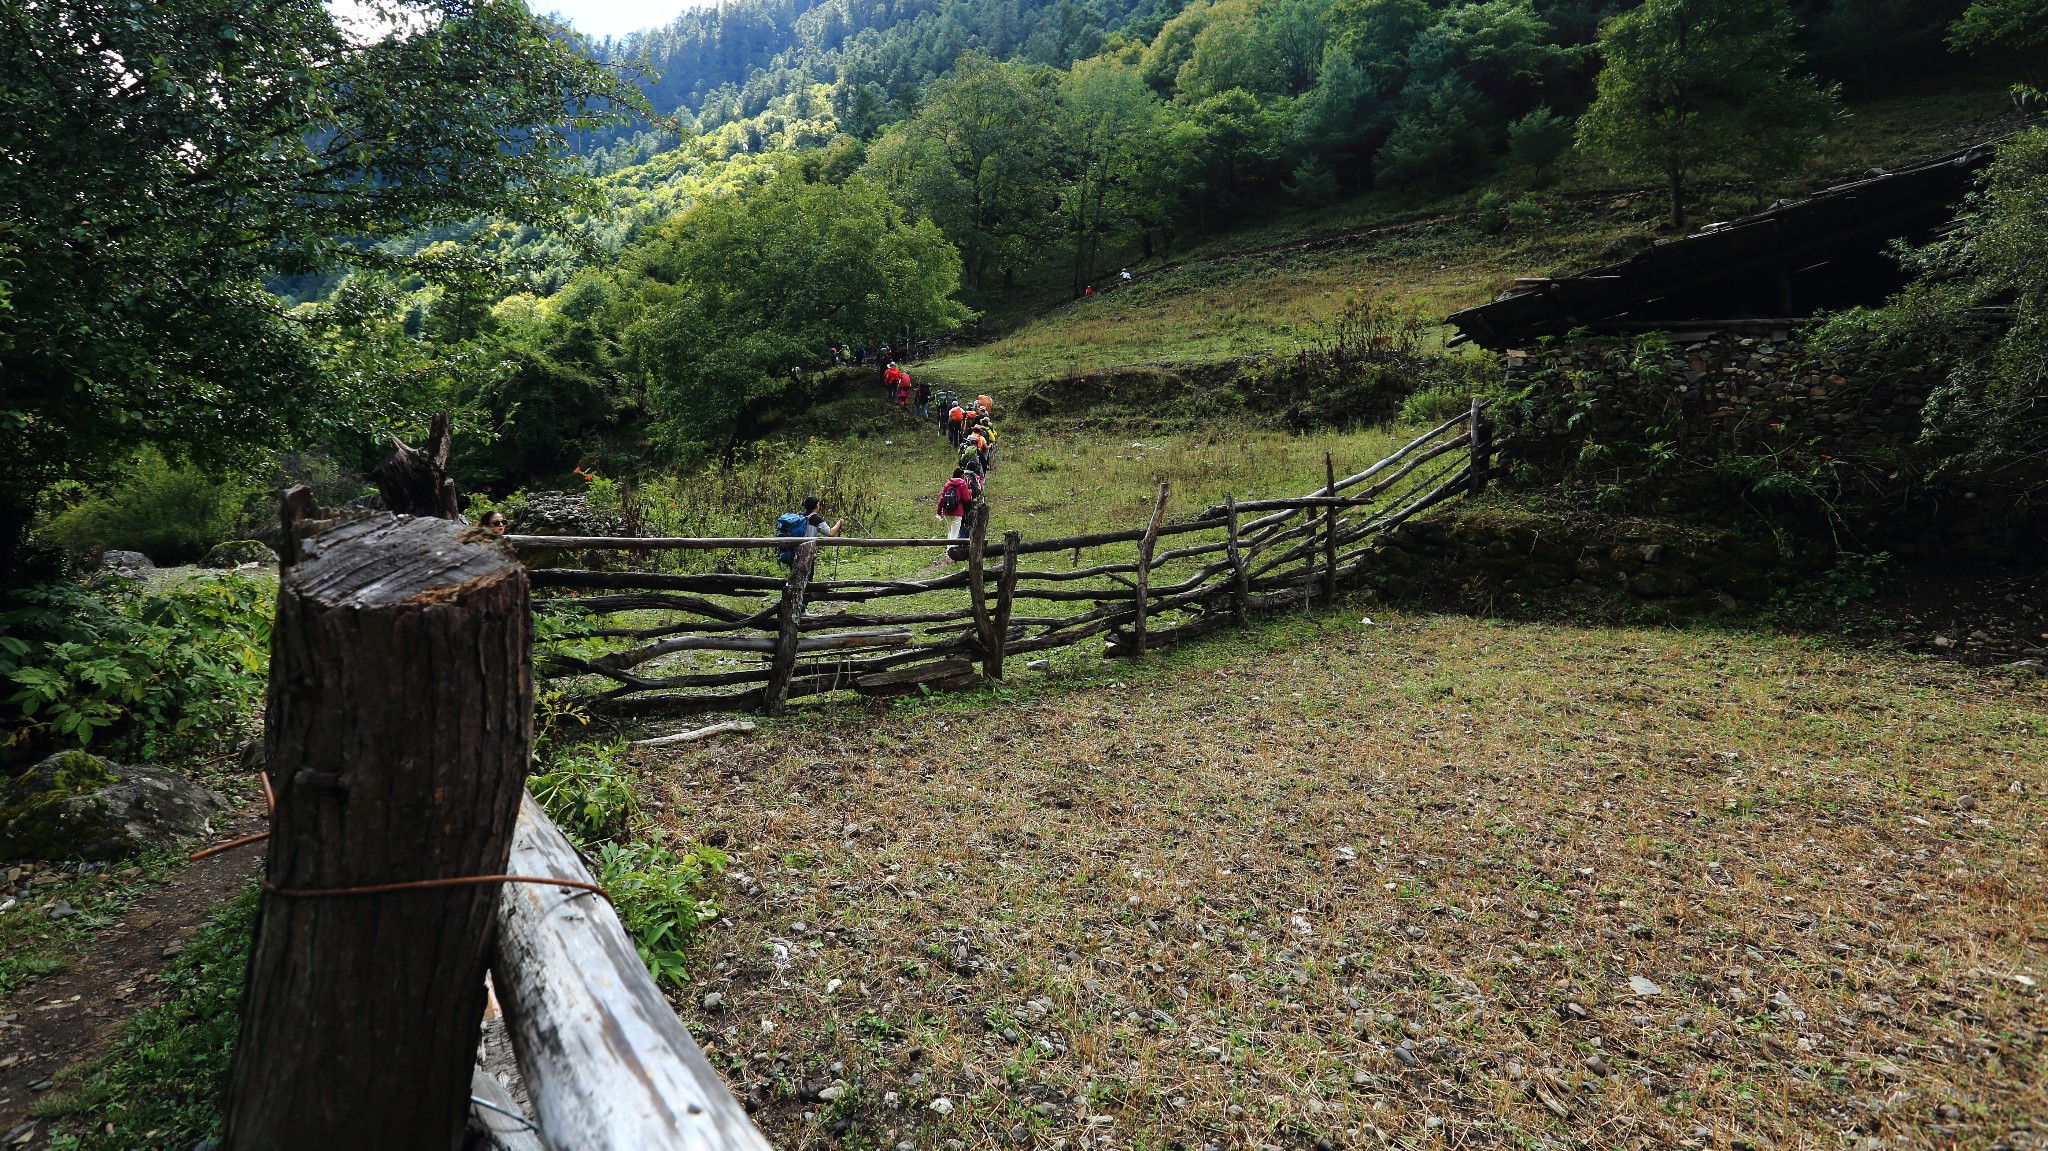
x=1778, y=266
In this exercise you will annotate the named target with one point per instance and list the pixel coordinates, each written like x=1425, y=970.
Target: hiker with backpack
x=956, y=499
x=921, y=401
x=801, y=525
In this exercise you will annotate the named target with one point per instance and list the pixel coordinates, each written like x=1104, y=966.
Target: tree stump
x=398, y=729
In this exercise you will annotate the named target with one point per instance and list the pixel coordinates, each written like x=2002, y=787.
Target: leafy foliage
x=168, y=512
x=588, y=791
x=738, y=289
x=658, y=892
x=128, y=673
x=1979, y=307
x=1693, y=84
x=659, y=896
x=177, y=150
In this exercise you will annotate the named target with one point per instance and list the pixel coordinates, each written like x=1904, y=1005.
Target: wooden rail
x=1263, y=555
x=607, y=1064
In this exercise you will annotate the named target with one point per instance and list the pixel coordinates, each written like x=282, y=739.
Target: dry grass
x=1201, y=904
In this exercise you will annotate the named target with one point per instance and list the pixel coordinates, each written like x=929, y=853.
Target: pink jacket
x=966, y=495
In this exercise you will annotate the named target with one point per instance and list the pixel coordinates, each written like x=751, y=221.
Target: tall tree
x=740, y=289
x=1109, y=137
x=156, y=159
x=1695, y=84
x=976, y=160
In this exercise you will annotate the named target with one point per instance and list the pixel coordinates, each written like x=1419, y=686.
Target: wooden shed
x=1773, y=269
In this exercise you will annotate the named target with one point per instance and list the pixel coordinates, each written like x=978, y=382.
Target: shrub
x=658, y=895
x=658, y=892
x=588, y=792
x=171, y=513
x=131, y=674
x=1434, y=405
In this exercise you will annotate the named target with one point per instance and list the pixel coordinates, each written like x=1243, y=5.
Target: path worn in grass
x=1209, y=905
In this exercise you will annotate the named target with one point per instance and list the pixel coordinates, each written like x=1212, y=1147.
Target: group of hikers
x=968, y=424
x=969, y=427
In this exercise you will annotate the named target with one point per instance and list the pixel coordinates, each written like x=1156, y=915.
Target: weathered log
x=1006, y=597
x=494, y=1116
x=714, y=583
x=414, y=481
x=977, y=586
x=1215, y=511
x=662, y=601
x=804, y=557
x=1482, y=445
x=619, y=661
x=698, y=735
x=397, y=735
x=1329, y=531
x=607, y=1064
x=1239, y=594
x=905, y=679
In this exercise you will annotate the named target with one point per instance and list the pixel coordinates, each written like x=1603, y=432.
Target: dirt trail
x=72, y=1016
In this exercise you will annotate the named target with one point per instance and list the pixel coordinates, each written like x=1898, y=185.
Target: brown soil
x=71, y=1016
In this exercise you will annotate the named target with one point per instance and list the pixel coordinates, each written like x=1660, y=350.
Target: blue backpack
x=790, y=525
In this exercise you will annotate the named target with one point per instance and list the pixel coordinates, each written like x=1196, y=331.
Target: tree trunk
x=1677, y=183
x=397, y=732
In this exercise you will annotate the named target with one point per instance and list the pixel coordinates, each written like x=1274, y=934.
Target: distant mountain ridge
x=715, y=65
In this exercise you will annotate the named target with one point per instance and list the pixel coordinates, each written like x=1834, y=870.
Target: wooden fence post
x=1329, y=529
x=397, y=732
x=1482, y=445
x=1144, y=572
x=977, y=594
x=1006, y=592
x=788, y=614
x=1240, y=589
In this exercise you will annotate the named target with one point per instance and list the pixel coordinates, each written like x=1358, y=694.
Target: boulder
x=130, y=565
x=235, y=553
x=74, y=805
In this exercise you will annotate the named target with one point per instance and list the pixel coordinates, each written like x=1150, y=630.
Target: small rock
x=1433, y=1122
x=2028, y=667
x=1598, y=1065
x=1642, y=986
x=714, y=1000
x=1405, y=1057
x=1047, y=1110
x=1038, y=665
x=835, y=1092
x=891, y=1100
x=1577, y=1010
x=62, y=909
x=40, y=1085
x=1020, y=1136
x=172, y=948
x=235, y=553
x=942, y=1105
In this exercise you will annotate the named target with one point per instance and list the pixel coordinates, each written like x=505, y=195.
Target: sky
x=601, y=18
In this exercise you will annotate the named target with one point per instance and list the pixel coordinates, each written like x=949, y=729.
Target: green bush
x=1434, y=405
x=130, y=674
x=588, y=791
x=171, y=513
x=658, y=895
x=658, y=892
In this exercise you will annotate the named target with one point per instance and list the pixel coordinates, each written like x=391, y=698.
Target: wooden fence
x=689, y=642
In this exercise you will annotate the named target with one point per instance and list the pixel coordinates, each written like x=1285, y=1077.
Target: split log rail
x=809, y=636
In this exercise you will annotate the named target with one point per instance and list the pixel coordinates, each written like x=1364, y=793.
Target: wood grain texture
x=397, y=733
x=607, y=1064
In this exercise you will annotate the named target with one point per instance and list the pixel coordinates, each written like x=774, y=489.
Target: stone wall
x=1719, y=388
